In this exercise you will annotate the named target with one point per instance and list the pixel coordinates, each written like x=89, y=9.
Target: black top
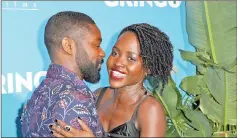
x=126, y=129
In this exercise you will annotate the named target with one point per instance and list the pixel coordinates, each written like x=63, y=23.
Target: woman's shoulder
x=150, y=113
x=151, y=104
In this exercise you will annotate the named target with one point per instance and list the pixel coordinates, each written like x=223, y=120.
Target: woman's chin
x=115, y=85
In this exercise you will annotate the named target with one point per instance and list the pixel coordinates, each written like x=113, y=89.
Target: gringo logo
x=19, y=5
x=14, y=82
x=173, y=4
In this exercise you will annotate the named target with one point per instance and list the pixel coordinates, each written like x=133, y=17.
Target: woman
x=126, y=108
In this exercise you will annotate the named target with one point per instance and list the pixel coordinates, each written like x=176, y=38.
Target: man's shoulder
x=56, y=84
x=55, y=88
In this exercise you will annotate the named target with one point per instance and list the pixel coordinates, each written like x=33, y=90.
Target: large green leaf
x=222, y=86
x=177, y=113
x=191, y=56
x=171, y=132
x=196, y=27
x=212, y=27
x=171, y=98
x=224, y=134
x=198, y=121
x=211, y=108
x=192, y=84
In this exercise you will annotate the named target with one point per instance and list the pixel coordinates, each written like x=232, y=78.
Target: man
x=73, y=43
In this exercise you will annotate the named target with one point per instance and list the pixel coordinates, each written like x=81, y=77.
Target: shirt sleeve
x=72, y=105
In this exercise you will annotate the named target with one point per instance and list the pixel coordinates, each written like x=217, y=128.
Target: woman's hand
x=68, y=131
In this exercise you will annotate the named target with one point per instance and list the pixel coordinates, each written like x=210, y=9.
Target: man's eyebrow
x=116, y=48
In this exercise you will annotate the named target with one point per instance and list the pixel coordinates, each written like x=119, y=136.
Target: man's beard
x=88, y=69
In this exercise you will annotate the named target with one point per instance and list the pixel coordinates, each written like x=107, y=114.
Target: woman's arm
x=151, y=119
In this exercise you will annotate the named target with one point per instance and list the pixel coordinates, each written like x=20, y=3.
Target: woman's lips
x=117, y=75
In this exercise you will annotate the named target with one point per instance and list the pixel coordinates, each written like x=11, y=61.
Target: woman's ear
x=147, y=71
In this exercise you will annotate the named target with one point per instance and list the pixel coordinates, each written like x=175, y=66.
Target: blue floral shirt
x=61, y=95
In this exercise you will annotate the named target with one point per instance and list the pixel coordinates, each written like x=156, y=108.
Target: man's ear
x=67, y=45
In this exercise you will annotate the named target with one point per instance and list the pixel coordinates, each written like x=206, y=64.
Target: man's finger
x=83, y=125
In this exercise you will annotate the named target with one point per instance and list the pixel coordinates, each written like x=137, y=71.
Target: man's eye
x=113, y=53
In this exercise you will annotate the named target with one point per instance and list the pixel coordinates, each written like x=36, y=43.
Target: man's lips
x=100, y=64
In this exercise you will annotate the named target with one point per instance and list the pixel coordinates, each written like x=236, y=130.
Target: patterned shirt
x=61, y=95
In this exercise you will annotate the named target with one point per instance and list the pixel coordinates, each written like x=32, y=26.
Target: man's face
x=89, y=55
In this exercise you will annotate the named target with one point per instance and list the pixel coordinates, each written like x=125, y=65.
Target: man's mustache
x=102, y=61
x=99, y=62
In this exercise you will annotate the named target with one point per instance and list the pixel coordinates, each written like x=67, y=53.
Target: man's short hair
x=65, y=24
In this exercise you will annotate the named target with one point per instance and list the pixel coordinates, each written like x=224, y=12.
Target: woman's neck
x=129, y=94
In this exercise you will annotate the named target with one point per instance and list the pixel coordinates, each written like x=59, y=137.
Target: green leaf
x=200, y=122
x=191, y=56
x=224, y=134
x=171, y=132
x=192, y=84
x=171, y=98
x=196, y=27
x=212, y=109
x=212, y=26
x=222, y=86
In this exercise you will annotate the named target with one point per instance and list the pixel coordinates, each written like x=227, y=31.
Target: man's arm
x=73, y=105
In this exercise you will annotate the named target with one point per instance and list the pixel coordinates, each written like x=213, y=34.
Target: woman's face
x=125, y=65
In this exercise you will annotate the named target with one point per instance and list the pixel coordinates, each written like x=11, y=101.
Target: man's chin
x=92, y=80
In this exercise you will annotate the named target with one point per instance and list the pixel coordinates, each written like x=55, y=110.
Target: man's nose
x=102, y=53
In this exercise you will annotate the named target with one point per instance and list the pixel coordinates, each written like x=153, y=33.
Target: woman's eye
x=132, y=59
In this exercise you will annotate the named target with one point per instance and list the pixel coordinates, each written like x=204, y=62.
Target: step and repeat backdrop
x=25, y=59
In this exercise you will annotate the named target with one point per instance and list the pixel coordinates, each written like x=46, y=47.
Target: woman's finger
x=83, y=125
x=67, y=128
x=61, y=123
x=61, y=131
x=56, y=134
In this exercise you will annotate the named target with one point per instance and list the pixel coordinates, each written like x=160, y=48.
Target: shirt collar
x=59, y=72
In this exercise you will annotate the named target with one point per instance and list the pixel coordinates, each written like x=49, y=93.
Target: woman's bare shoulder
x=151, y=105
x=151, y=118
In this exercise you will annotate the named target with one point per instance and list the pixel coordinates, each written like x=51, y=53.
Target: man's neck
x=70, y=67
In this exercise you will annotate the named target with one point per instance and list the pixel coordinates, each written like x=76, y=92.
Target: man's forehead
x=94, y=32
